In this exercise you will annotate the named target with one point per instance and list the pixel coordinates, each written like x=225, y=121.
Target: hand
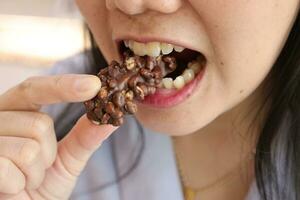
x=32, y=164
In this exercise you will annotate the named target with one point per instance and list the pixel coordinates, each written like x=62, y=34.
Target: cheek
x=247, y=37
x=97, y=18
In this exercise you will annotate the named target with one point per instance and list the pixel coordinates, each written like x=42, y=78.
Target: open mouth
x=189, y=62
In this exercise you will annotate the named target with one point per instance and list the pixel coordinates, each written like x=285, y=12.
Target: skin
x=240, y=39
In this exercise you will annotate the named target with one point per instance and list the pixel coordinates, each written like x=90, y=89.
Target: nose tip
x=134, y=7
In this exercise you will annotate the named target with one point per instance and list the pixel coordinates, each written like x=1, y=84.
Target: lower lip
x=164, y=98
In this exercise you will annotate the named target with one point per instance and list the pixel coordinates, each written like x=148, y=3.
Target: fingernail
x=88, y=83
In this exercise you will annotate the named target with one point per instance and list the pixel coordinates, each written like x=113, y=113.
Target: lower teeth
x=187, y=76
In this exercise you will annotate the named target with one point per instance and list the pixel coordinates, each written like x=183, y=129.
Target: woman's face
x=239, y=39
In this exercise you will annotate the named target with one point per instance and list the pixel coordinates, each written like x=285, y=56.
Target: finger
x=21, y=195
x=33, y=125
x=37, y=91
x=73, y=153
x=77, y=147
x=25, y=153
x=12, y=180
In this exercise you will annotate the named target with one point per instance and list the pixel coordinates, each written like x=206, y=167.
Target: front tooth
x=166, y=48
x=139, y=49
x=126, y=43
x=153, y=49
x=179, y=82
x=188, y=75
x=168, y=83
x=130, y=44
x=195, y=66
x=178, y=48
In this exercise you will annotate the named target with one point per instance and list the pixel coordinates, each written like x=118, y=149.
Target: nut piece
x=131, y=107
x=170, y=61
x=139, y=92
x=112, y=83
x=130, y=63
x=105, y=118
x=118, y=122
x=98, y=112
x=129, y=95
x=146, y=73
x=103, y=93
x=119, y=99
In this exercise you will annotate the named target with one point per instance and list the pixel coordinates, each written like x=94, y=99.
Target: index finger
x=34, y=92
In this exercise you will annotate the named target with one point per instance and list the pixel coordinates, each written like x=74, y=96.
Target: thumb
x=73, y=153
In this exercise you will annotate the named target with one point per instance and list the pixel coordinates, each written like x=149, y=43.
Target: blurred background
x=35, y=34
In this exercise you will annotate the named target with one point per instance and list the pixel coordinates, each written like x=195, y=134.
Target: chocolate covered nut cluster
x=124, y=84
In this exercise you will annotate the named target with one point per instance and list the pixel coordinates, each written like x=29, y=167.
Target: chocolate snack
x=123, y=84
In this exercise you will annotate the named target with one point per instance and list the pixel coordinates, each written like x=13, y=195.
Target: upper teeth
x=153, y=49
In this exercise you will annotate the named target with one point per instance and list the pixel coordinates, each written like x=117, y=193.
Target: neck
x=219, y=158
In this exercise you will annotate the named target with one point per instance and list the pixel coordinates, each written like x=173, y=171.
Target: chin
x=160, y=124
